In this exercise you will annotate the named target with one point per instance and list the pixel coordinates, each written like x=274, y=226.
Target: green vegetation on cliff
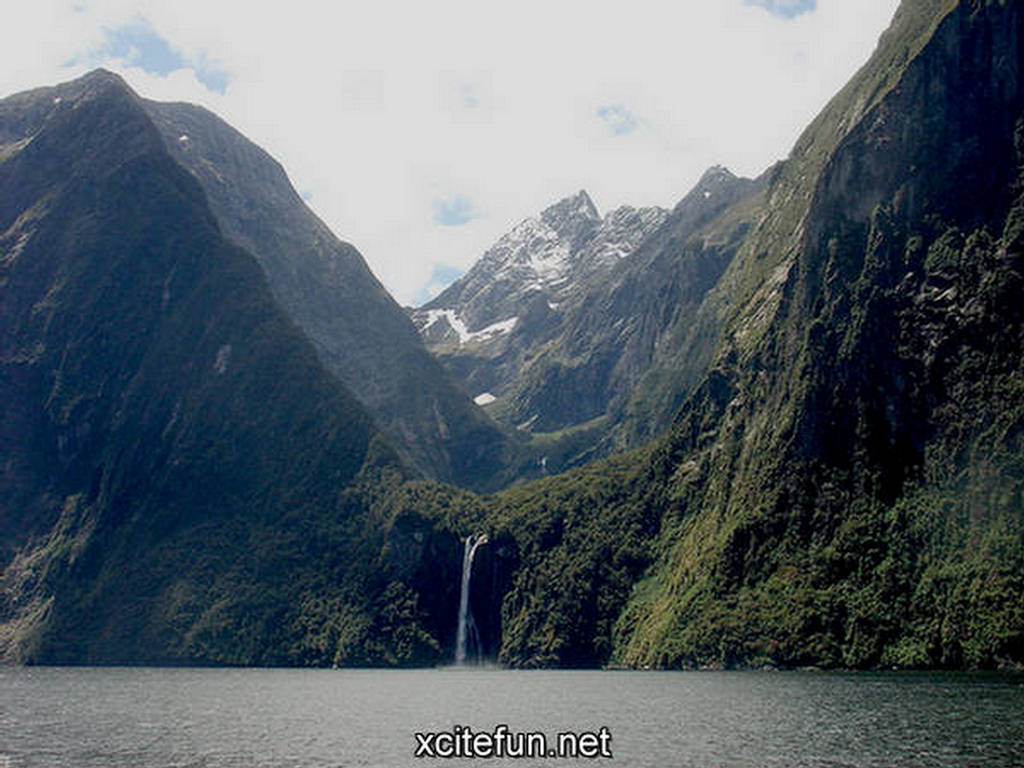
x=844, y=488
x=183, y=482
x=842, y=483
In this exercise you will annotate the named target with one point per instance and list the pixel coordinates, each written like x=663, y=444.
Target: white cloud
x=379, y=110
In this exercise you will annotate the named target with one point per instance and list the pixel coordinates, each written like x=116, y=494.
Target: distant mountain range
x=551, y=257
x=793, y=406
x=561, y=321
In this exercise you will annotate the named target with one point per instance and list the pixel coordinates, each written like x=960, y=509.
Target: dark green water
x=85, y=717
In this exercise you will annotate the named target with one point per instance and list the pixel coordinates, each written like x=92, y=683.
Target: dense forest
x=834, y=478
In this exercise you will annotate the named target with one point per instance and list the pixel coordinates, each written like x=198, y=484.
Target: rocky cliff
x=361, y=335
x=842, y=485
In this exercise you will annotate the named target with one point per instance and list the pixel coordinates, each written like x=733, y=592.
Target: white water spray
x=472, y=542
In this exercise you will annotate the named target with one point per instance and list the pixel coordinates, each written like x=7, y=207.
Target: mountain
x=831, y=363
x=559, y=323
x=361, y=335
x=547, y=258
x=490, y=321
x=841, y=484
x=182, y=480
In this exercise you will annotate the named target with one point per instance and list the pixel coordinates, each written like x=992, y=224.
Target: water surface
x=82, y=717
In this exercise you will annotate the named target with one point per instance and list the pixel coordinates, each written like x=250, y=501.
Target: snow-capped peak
x=570, y=213
x=545, y=258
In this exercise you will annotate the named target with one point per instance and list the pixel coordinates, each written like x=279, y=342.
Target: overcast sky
x=422, y=130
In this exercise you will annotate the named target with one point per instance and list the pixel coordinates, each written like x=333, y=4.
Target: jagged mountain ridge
x=842, y=486
x=559, y=323
x=359, y=331
x=544, y=260
x=548, y=256
x=638, y=331
x=177, y=463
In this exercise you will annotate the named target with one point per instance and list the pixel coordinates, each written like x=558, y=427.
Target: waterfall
x=465, y=615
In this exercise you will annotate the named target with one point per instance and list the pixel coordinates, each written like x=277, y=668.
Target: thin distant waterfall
x=472, y=542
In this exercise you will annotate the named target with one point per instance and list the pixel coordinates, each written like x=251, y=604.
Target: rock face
x=488, y=323
x=843, y=483
x=836, y=350
x=556, y=326
x=359, y=332
x=176, y=461
x=549, y=257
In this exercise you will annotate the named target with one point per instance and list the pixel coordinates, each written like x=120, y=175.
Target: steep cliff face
x=180, y=475
x=568, y=323
x=843, y=485
x=642, y=321
x=490, y=324
x=362, y=336
x=842, y=342
x=859, y=499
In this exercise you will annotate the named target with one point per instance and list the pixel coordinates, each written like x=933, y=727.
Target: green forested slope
x=181, y=477
x=323, y=284
x=841, y=486
x=845, y=486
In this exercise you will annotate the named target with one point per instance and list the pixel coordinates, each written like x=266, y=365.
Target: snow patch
x=484, y=398
x=464, y=334
x=57, y=101
x=495, y=329
x=433, y=315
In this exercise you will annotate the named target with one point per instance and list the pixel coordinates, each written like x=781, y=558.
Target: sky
x=422, y=131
